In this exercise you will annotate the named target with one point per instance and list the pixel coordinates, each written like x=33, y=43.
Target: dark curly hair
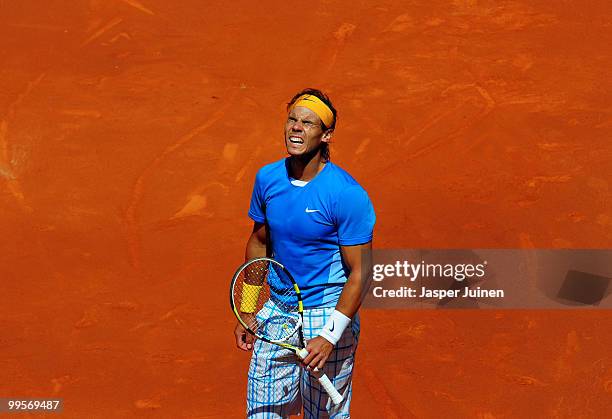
x=325, y=99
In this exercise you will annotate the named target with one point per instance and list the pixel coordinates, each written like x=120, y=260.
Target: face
x=303, y=132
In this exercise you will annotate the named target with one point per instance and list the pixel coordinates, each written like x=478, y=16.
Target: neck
x=306, y=167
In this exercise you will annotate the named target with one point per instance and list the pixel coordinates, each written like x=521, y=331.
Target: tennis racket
x=267, y=302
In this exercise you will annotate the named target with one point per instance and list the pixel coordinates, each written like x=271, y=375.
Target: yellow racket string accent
x=317, y=106
x=250, y=295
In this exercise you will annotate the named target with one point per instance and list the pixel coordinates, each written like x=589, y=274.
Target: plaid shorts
x=278, y=386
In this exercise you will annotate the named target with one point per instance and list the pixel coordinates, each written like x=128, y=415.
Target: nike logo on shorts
x=312, y=210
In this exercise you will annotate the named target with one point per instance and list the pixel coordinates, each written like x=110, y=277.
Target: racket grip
x=327, y=385
x=324, y=380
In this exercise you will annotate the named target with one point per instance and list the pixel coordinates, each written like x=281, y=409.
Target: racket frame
x=300, y=307
x=301, y=353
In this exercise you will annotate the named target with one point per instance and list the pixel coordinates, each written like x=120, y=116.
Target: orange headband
x=317, y=106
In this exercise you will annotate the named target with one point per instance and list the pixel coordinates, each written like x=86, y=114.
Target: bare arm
x=350, y=300
x=357, y=283
x=257, y=246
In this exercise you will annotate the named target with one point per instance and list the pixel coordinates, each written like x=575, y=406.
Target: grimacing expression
x=304, y=132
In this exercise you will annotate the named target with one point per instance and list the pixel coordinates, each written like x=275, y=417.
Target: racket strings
x=266, y=301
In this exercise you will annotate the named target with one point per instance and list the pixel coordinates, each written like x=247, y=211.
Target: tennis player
x=315, y=219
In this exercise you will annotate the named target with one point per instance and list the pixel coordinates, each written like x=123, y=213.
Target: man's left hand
x=319, y=350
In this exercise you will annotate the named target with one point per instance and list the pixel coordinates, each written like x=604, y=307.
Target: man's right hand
x=244, y=340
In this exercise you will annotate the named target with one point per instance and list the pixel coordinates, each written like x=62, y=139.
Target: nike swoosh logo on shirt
x=311, y=210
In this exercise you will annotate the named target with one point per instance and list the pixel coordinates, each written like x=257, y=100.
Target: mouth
x=296, y=140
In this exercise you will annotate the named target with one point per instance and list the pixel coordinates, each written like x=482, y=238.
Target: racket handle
x=324, y=380
x=327, y=385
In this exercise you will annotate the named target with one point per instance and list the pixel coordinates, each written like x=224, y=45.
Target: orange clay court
x=130, y=134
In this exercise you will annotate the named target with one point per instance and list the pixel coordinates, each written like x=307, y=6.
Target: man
x=314, y=218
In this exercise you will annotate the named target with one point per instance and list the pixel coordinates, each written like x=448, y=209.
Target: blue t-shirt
x=308, y=224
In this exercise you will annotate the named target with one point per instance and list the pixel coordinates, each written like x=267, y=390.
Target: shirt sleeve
x=355, y=217
x=257, y=210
